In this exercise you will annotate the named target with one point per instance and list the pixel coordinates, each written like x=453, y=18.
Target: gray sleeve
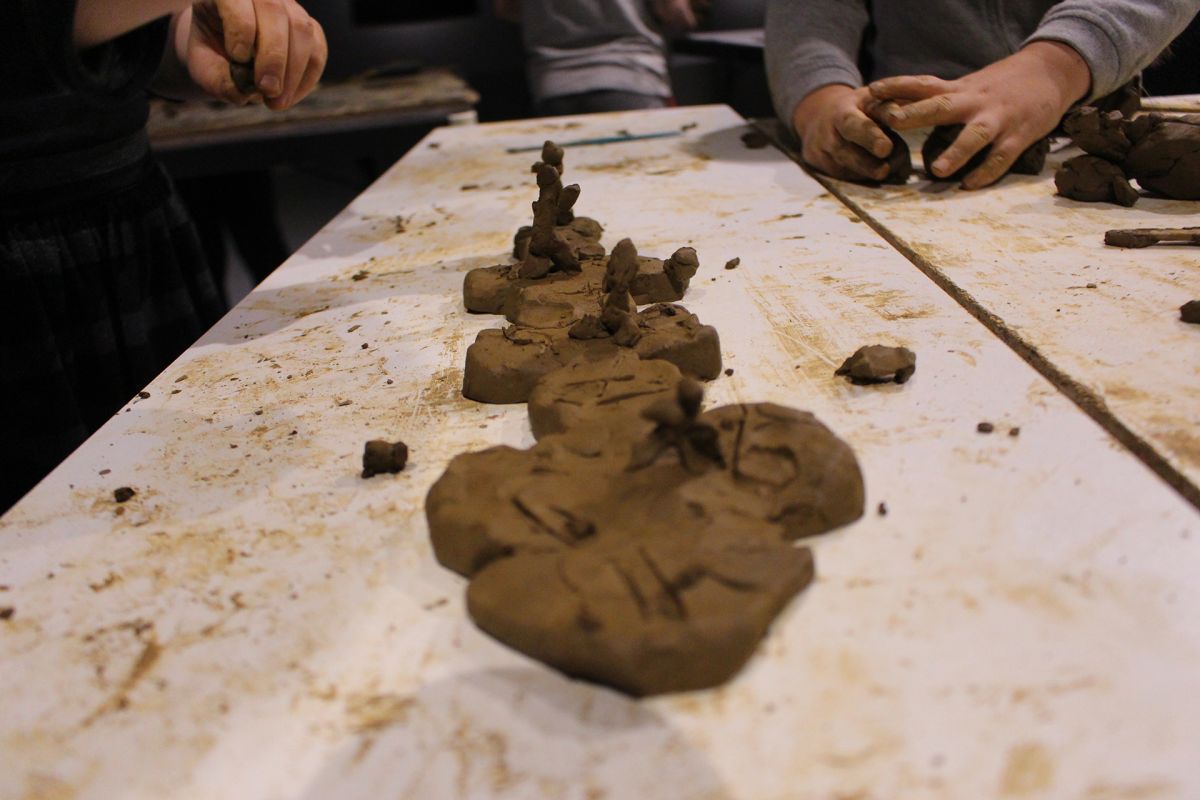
x=1117, y=38
x=810, y=44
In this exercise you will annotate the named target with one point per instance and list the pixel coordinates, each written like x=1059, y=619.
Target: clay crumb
x=729, y=371
x=468, y=187
x=689, y=126
x=181, y=378
x=105, y=471
x=353, y=328
x=733, y=263
x=755, y=140
x=258, y=412
x=1190, y=312
x=1089, y=286
x=360, y=275
x=1014, y=432
x=123, y=494
x=380, y=456
x=6, y=612
x=144, y=395
x=389, y=381
x=364, y=345
x=883, y=509
x=343, y=402
x=985, y=427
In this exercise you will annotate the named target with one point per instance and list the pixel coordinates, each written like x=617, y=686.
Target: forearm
x=1115, y=38
x=100, y=21
x=810, y=44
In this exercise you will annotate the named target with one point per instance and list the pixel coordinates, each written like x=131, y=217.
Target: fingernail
x=940, y=167
x=241, y=53
x=270, y=85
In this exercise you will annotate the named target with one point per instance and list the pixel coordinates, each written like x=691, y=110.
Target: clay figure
x=1098, y=133
x=1165, y=157
x=1092, y=179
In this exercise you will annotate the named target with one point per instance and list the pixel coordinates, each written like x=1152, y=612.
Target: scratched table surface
x=260, y=622
x=1102, y=322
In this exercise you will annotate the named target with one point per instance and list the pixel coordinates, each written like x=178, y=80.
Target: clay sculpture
x=654, y=558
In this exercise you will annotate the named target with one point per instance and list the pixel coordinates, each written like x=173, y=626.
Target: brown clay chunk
x=899, y=160
x=123, y=494
x=985, y=427
x=6, y=612
x=879, y=363
x=755, y=139
x=733, y=263
x=1030, y=162
x=1165, y=157
x=1190, y=312
x=1094, y=180
x=380, y=456
x=882, y=509
x=1014, y=432
x=649, y=559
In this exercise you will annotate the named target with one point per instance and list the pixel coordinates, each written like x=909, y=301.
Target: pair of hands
x=287, y=46
x=1008, y=105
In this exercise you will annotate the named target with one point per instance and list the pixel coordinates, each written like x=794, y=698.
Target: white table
x=260, y=622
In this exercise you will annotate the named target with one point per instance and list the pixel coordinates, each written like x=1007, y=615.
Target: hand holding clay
x=837, y=135
x=1007, y=105
x=285, y=45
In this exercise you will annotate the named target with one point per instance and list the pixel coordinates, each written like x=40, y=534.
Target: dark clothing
x=596, y=102
x=102, y=279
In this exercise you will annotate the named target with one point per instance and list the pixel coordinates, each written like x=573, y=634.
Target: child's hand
x=286, y=45
x=838, y=136
x=1009, y=105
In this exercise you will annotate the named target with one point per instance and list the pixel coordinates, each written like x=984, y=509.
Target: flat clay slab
x=609, y=394
x=648, y=576
x=560, y=298
x=503, y=366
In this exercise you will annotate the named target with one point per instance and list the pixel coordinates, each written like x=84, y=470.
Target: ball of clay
x=1094, y=180
x=899, y=161
x=1190, y=312
x=1030, y=162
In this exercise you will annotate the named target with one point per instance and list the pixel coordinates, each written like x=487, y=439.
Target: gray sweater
x=577, y=46
x=813, y=43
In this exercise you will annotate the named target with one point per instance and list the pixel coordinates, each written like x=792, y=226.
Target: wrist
x=1064, y=66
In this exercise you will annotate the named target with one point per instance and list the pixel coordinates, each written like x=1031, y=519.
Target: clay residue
x=650, y=560
x=1030, y=162
x=879, y=364
x=381, y=457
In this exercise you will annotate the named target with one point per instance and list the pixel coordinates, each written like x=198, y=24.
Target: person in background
x=1007, y=75
x=588, y=56
x=103, y=279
